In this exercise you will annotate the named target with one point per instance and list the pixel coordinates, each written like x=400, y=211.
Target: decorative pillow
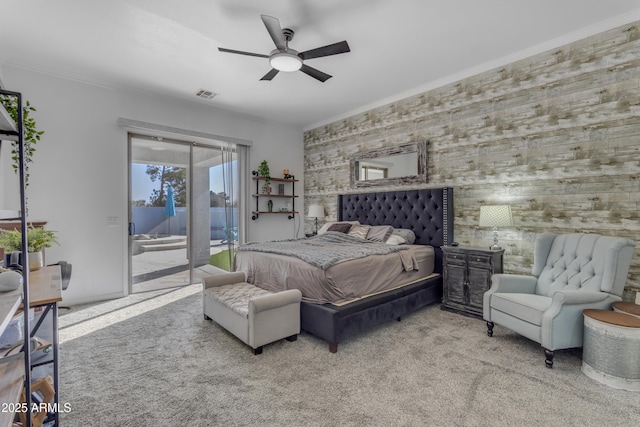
x=379, y=233
x=408, y=235
x=359, y=231
x=326, y=226
x=394, y=239
x=341, y=227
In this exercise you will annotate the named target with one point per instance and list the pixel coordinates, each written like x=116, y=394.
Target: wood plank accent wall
x=555, y=135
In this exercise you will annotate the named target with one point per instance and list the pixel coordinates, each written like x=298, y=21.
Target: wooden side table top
x=626, y=307
x=45, y=285
x=613, y=318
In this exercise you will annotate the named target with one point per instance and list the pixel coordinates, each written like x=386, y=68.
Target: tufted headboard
x=428, y=212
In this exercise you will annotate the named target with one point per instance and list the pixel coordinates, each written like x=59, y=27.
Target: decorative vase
x=36, y=261
x=270, y=205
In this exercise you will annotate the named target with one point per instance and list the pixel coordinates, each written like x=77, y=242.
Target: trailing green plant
x=263, y=171
x=37, y=239
x=31, y=135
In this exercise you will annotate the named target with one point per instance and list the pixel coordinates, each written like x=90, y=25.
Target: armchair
x=571, y=272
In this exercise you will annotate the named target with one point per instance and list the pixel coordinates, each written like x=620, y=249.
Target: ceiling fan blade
x=271, y=74
x=332, y=49
x=275, y=31
x=239, y=52
x=316, y=74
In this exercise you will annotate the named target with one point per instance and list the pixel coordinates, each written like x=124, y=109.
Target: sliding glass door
x=183, y=210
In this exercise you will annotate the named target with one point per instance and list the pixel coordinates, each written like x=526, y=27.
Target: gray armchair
x=571, y=272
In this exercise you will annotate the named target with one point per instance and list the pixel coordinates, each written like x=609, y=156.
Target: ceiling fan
x=285, y=59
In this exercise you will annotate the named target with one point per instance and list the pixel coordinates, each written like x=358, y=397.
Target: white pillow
x=325, y=227
x=408, y=235
x=394, y=239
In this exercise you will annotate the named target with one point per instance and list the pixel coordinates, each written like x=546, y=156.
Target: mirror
x=402, y=164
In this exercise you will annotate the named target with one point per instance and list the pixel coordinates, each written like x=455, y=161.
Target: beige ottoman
x=254, y=315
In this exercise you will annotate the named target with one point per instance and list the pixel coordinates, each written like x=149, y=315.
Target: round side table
x=611, y=349
x=626, y=308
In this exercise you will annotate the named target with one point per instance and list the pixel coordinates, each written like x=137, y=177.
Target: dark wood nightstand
x=467, y=275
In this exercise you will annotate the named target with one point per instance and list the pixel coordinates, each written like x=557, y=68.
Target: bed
x=331, y=309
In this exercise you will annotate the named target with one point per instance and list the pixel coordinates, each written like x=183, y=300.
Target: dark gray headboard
x=428, y=212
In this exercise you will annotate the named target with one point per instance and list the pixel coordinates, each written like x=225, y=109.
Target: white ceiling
x=398, y=47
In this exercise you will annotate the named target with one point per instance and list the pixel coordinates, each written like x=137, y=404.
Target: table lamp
x=495, y=216
x=316, y=211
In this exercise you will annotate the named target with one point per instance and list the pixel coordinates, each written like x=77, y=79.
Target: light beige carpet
x=157, y=362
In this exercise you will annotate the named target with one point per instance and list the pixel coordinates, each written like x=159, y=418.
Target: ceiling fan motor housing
x=288, y=34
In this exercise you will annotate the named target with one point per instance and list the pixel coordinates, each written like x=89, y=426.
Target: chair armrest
x=562, y=323
x=280, y=299
x=513, y=283
x=222, y=279
x=579, y=297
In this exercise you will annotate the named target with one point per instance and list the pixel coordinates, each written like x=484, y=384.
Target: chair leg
x=490, y=326
x=548, y=354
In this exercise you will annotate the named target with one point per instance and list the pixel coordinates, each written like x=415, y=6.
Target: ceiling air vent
x=206, y=94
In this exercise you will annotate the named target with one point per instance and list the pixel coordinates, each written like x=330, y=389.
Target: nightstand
x=467, y=275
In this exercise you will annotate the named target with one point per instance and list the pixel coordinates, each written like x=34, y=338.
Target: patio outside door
x=175, y=223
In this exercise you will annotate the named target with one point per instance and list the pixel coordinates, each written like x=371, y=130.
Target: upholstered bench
x=254, y=315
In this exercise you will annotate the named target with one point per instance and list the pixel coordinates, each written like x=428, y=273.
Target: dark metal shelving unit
x=287, y=179
x=12, y=131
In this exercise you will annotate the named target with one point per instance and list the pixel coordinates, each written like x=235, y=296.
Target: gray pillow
x=326, y=226
x=379, y=233
x=360, y=231
x=406, y=234
x=341, y=227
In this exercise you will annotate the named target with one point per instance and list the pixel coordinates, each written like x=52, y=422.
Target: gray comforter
x=325, y=250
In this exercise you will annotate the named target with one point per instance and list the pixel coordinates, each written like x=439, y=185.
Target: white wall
x=79, y=177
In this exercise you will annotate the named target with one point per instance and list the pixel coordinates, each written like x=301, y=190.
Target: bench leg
x=292, y=338
x=257, y=351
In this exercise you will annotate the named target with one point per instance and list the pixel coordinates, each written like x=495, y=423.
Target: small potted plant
x=31, y=135
x=38, y=238
x=263, y=171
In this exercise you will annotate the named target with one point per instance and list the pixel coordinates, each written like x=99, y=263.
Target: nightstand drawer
x=456, y=259
x=480, y=261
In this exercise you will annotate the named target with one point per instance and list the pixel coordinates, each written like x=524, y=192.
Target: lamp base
x=494, y=247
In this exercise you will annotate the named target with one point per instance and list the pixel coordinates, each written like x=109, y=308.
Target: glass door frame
x=131, y=226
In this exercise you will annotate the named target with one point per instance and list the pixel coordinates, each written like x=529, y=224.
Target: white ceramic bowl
x=10, y=280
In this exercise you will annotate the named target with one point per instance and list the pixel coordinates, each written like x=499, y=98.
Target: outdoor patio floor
x=168, y=269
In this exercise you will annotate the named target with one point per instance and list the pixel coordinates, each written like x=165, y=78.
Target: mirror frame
x=415, y=147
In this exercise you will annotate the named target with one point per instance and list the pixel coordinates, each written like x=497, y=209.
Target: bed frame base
x=334, y=324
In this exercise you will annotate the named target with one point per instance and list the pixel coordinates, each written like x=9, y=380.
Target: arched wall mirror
x=401, y=164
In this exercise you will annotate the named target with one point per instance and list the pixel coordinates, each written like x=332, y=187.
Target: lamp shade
x=496, y=216
x=284, y=61
x=316, y=211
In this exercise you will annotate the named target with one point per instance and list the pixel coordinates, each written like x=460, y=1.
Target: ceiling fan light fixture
x=285, y=61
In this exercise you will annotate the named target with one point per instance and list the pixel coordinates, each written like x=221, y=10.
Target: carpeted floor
x=152, y=360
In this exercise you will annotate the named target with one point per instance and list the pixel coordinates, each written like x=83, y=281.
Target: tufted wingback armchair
x=571, y=272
